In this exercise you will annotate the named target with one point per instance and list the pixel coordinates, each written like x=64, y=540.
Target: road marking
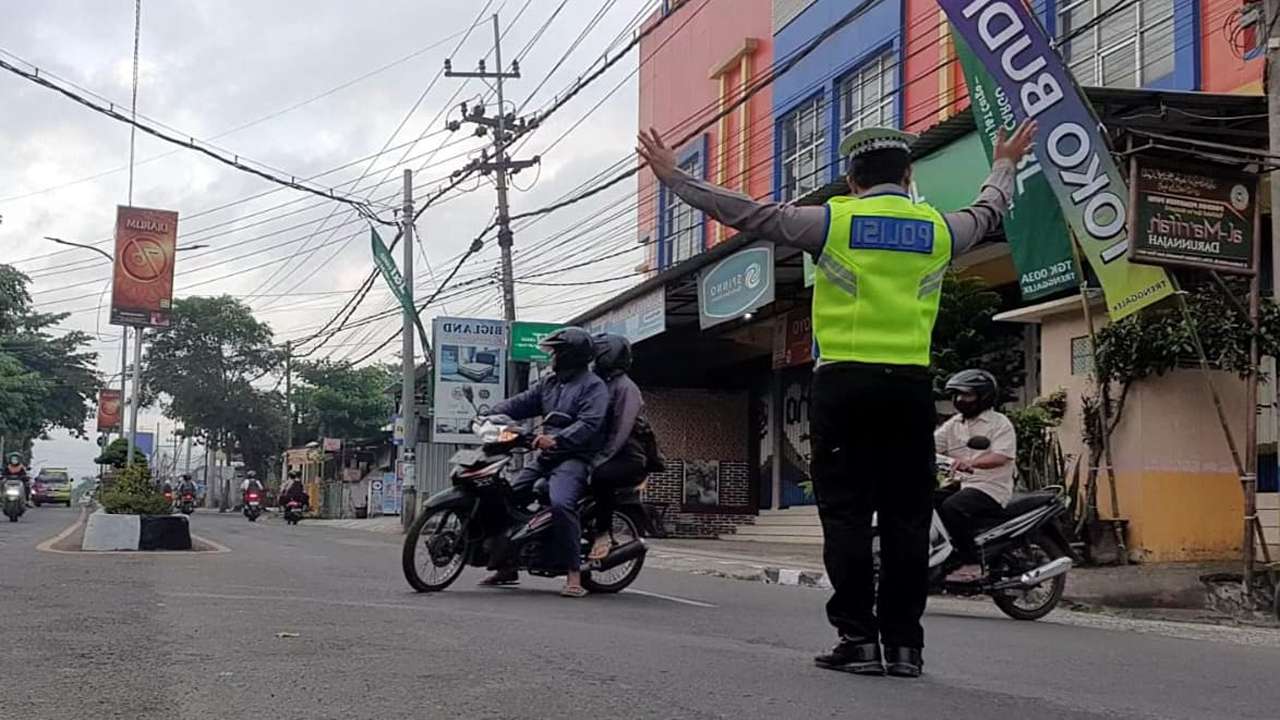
x=672, y=598
x=47, y=545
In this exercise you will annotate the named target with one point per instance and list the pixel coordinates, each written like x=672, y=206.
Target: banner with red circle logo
x=142, y=285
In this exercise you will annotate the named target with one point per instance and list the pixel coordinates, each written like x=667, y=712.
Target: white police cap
x=875, y=138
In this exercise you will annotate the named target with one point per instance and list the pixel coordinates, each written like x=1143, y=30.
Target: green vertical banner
x=1037, y=234
x=387, y=266
x=1006, y=39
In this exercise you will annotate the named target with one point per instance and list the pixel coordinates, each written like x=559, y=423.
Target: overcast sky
x=210, y=67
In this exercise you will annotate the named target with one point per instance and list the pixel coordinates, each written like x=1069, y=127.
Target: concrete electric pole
x=408, y=407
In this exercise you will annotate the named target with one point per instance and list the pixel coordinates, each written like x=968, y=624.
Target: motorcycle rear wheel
x=617, y=578
x=435, y=550
x=1034, y=603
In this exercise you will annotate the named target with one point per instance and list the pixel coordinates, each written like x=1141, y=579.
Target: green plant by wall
x=134, y=494
x=1040, y=459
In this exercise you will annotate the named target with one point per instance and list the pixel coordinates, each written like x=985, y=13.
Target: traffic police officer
x=881, y=256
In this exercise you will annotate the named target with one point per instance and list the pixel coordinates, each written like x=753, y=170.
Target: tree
x=340, y=401
x=46, y=381
x=965, y=336
x=114, y=454
x=202, y=369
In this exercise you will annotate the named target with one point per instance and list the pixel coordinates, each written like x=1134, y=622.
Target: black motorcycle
x=486, y=512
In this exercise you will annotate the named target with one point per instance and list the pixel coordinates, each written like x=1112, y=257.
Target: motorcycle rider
x=250, y=482
x=295, y=491
x=186, y=486
x=621, y=462
x=881, y=258
x=15, y=469
x=985, y=476
x=564, y=453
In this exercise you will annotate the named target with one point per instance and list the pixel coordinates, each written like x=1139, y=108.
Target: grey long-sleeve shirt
x=806, y=227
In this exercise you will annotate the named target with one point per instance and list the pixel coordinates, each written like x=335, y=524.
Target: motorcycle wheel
x=1034, y=603
x=435, y=550
x=616, y=579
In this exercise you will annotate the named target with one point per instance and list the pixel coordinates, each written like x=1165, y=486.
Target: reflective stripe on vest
x=876, y=295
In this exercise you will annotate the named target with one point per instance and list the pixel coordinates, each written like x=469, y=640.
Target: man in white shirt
x=985, y=476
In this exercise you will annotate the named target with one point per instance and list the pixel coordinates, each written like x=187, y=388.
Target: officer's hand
x=661, y=160
x=544, y=442
x=1013, y=148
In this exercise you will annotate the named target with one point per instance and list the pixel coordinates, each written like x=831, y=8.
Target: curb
x=105, y=532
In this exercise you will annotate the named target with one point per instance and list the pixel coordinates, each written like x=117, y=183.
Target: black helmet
x=613, y=354
x=570, y=348
x=15, y=459
x=186, y=476
x=980, y=383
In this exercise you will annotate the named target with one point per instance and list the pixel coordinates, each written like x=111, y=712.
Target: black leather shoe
x=904, y=662
x=854, y=656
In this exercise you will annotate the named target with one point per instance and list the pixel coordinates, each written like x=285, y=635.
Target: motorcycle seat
x=1026, y=502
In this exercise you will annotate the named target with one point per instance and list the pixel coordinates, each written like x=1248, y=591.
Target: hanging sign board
x=1197, y=214
x=142, y=279
x=109, y=410
x=1009, y=43
x=736, y=285
x=470, y=374
x=637, y=320
x=525, y=337
x=792, y=338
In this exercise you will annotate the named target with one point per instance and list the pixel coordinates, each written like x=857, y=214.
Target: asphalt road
x=195, y=636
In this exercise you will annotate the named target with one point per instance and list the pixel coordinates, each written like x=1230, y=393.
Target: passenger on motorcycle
x=186, y=486
x=250, y=482
x=295, y=491
x=985, y=476
x=621, y=462
x=564, y=453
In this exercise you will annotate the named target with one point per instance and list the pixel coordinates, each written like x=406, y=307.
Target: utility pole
x=137, y=387
x=408, y=410
x=1271, y=45
x=288, y=408
x=504, y=126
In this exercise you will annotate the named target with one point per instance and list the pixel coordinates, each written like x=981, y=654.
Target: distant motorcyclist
x=186, y=486
x=985, y=476
x=564, y=453
x=621, y=462
x=250, y=483
x=295, y=492
x=14, y=468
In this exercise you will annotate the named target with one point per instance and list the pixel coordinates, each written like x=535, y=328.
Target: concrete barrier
x=106, y=532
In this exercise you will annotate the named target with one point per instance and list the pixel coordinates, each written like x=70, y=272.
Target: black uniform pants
x=872, y=433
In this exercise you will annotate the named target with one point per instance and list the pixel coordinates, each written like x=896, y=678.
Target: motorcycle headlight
x=12, y=492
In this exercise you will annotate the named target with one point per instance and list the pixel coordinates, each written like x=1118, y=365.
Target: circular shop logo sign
x=752, y=276
x=144, y=259
x=1239, y=198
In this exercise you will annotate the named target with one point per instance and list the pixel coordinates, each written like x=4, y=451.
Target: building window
x=804, y=140
x=681, y=226
x=867, y=97
x=1081, y=357
x=1130, y=46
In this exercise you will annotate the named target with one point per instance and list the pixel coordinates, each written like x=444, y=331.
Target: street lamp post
x=124, y=354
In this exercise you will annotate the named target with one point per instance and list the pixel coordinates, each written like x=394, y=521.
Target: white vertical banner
x=470, y=374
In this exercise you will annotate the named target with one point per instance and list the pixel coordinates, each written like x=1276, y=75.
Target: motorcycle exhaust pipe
x=621, y=554
x=1048, y=571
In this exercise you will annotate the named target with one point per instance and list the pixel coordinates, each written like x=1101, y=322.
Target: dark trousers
x=567, y=479
x=872, y=433
x=615, y=474
x=965, y=512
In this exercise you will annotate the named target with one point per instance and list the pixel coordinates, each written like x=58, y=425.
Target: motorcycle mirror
x=979, y=442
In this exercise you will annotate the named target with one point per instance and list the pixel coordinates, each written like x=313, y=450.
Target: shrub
x=134, y=494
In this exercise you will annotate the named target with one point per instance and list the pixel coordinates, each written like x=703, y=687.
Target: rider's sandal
x=500, y=580
x=599, y=549
x=573, y=591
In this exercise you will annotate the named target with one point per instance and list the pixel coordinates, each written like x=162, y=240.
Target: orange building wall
x=677, y=94
x=1221, y=71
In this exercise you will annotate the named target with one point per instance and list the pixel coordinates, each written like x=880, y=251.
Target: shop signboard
x=470, y=374
x=375, y=496
x=1037, y=234
x=331, y=444
x=1007, y=40
x=109, y=410
x=793, y=339
x=525, y=337
x=639, y=319
x=1198, y=215
x=736, y=285
x=390, y=494
x=397, y=430
x=145, y=442
x=142, y=278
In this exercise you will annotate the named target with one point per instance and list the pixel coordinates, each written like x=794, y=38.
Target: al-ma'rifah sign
x=736, y=285
x=1198, y=215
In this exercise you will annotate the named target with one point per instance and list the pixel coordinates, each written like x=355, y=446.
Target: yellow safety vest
x=879, y=280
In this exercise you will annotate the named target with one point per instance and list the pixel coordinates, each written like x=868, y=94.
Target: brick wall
x=700, y=424
x=667, y=489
